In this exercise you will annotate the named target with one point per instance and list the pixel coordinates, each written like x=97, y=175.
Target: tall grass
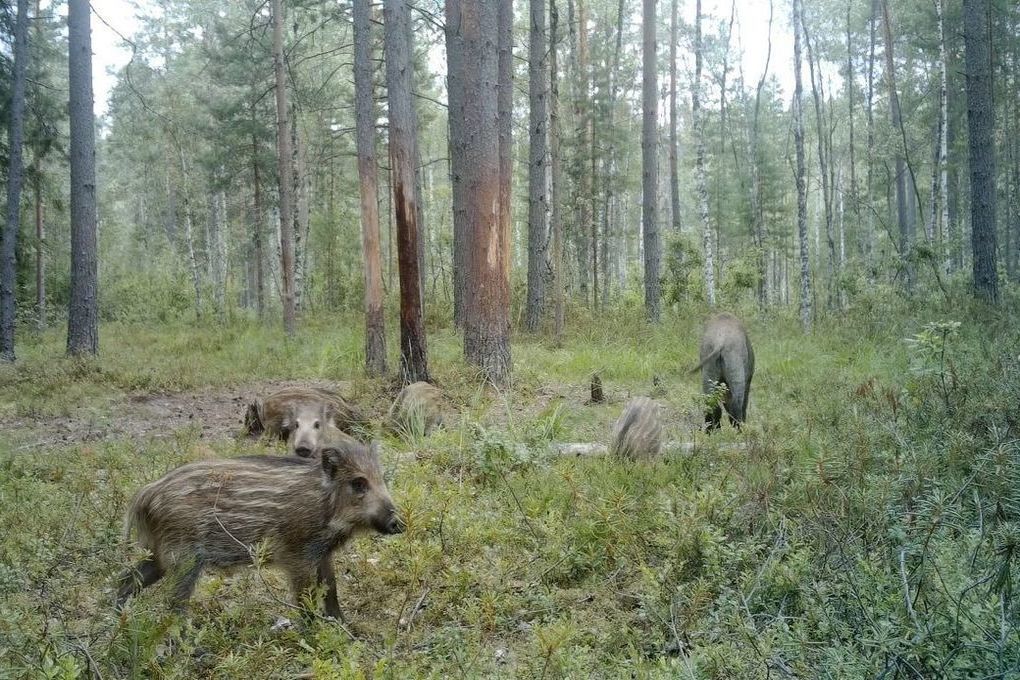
x=868, y=527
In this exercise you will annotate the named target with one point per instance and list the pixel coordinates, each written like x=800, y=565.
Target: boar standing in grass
x=637, y=434
x=297, y=415
x=212, y=514
x=417, y=409
x=726, y=359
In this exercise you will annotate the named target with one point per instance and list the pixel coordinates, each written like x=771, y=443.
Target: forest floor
x=880, y=459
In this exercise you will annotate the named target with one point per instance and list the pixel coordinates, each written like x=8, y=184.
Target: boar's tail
x=135, y=519
x=710, y=357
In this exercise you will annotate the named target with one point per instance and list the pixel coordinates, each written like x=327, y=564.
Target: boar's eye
x=316, y=425
x=359, y=485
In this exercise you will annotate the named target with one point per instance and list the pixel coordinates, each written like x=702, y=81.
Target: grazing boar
x=418, y=406
x=637, y=434
x=211, y=514
x=298, y=414
x=727, y=359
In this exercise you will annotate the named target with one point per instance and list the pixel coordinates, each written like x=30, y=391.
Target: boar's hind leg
x=324, y=574
x=142, y=575
x=185, y=586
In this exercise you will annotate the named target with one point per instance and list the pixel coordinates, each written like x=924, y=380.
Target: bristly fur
x=637, y=433
x=213, y=513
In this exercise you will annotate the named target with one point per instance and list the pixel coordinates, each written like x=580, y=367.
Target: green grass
x=861, y=485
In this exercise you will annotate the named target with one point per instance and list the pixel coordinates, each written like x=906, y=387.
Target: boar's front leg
x=325, y=574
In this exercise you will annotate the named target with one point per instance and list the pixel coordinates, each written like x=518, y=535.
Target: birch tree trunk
x=699, y=165
x=943, y=159
x=757, y=210
x=902, y=208
x=258, y=228
x=365, y=116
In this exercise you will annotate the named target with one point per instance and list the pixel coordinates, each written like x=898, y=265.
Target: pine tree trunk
x=798, y=137
x=649, y=161
x=610, y=162
x=699, y=165
x=486, y=309
x=40, y=259
x=537, y=166
x=219, y=254
x=300, y=207
x=848, y=85
x=83, y=308
x=583, y=103
x=365, y=117
x=674, y=150
x=258, y=229
x=286, y=177
x=981, y=128
x=189, y=232
x=504, y=107
x=457, y=111
x=402, y=131
x=556, y=179
x=15, y=177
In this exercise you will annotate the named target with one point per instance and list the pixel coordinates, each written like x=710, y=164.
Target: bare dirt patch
x=214, y=412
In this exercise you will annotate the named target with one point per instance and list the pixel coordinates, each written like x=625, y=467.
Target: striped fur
x=637, y=433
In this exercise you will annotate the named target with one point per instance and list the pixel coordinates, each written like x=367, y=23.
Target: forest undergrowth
x=868, y=527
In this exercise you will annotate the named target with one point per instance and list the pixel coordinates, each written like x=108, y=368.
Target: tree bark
x=824, y=159
x=40, y=259
x=83, y=308
x=486, y=309
x=219, y=254
x=649, y=160
x=981, y=128
x=757, y=209
x=902, y=208
x=699, y=165
x=365, y=116
x=286, y=177
x=798, y=137
x=403, y=130
x=610, y=161
x=15, y=177
x=456, y=113
x=258, y=229
x=537, y=165
x=848, y=81
x=674, y=152
x=556, y=179
x=943, y=157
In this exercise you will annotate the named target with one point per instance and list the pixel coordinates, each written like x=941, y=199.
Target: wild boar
x=727, y=359
x=211, y=514
x=637, y=434
x=418, y=406
x=298, y=414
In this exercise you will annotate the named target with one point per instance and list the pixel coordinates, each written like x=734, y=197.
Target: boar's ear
x=332, y=462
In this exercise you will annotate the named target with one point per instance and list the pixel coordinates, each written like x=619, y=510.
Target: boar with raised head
x=297, y=415
x=637, y=434
x=419, y=405
x=212, y=514
x=727, y=359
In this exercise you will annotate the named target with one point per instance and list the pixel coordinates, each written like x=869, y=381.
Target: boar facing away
x=298, y=415
x=637, y=433
x=727, y=359
x=212, y=514
x=419, y=406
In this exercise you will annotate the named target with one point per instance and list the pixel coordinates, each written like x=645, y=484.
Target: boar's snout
x=389, y=522
x=303, y=451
